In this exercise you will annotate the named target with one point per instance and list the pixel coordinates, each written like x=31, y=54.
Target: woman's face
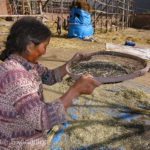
x=36, y=51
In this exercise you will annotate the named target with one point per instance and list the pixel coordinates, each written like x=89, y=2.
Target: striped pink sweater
x=23, y=113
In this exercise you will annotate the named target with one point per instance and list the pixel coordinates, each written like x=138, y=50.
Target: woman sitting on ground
x=24, y=116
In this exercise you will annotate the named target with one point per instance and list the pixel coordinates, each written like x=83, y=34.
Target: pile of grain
x=82, y=4
x=99, y=69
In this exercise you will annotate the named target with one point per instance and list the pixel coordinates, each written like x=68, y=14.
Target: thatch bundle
x=82, y=4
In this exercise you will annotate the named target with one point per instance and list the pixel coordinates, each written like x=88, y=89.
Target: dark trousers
x=59, y=30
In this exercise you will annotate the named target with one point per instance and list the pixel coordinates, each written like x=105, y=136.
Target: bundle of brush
x=108, y=66
x=82, y=4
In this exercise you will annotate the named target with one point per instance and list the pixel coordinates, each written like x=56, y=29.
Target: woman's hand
x=74, y=60
x=85, y=85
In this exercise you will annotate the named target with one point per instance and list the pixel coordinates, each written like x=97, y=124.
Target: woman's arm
x=63, y=71
x=25, y=99
x=23, y=94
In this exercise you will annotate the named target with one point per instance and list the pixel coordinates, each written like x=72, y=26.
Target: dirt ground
x=115, y=116
x=93, y=121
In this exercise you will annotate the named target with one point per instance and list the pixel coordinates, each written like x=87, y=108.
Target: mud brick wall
x=142, y=21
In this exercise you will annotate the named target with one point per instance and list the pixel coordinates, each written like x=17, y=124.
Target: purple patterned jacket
x=23, y=113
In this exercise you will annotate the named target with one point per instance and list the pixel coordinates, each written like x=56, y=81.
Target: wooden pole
x=106, y=15
x=3, y=16
x=116, y=14
x=61, y=7
x=127, y=13
x=112, y=15
x=40, y=6
x=123, y=15
x=23, y=9
x=95, y=16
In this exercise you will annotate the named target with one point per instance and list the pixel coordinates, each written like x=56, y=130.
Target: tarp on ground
x=79, y=24
x=63, y=136
x=140, y=52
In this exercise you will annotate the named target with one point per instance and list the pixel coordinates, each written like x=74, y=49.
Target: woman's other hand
x=78, y=57
x=85, y=84
x=74, y=60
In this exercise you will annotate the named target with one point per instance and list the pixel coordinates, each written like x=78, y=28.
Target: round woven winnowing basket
x=120, y=57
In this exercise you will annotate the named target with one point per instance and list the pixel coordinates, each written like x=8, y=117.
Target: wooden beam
x=20, y=15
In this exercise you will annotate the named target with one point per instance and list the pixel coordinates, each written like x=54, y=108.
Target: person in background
x=59, y=23
x=65, y=24
x=24, y=116
x=68, y=17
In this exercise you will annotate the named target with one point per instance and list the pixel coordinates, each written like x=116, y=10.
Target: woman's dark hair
x=23, y=31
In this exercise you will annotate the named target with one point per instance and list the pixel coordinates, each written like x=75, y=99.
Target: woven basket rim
x=122, y=78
